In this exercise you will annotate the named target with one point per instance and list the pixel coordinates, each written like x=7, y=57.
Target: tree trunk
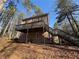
x=71, y=25
x=74, y=22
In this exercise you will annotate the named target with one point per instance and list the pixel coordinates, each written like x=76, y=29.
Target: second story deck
x=33, y=22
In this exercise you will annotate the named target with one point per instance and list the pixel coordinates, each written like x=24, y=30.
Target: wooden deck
x=21, y=27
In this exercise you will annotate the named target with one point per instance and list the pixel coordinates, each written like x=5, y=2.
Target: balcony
x=29, y=26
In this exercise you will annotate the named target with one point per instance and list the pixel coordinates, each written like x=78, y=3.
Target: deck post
x=27, y=36
x=43, y=32
x=36, y=37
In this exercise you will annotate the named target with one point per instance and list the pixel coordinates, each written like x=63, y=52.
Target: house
x=32, y=29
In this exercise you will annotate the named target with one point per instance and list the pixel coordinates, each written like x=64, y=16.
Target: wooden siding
x=37, y=19
x=42, y=19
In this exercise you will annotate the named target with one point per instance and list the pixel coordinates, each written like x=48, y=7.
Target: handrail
x=66, y=36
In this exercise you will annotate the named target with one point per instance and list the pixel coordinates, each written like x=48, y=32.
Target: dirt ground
x=35, y=51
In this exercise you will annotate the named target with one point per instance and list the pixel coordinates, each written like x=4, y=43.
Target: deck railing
x=29, y=25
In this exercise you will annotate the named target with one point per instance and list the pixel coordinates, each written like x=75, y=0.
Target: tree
x=56, y=25
x=10, y=10
x=30, y=6
x=7, y=15
x=65, y=9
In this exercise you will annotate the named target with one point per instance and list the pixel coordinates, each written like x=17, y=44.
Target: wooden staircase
x=67, y=37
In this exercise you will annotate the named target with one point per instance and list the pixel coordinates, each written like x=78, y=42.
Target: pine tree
x=65, y=9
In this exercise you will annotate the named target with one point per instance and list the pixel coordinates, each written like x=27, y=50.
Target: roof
x=34, y=17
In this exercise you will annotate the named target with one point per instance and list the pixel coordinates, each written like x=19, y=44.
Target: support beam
x=36, y=36
x=27, y=36
x=43, y=32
